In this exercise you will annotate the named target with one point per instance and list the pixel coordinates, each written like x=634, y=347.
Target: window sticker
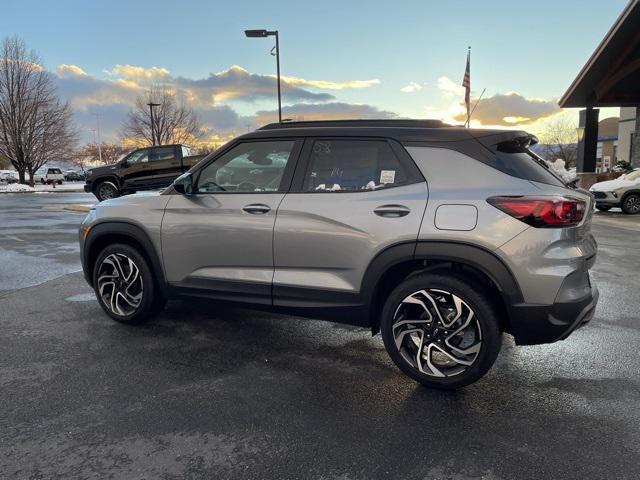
x=387, y=176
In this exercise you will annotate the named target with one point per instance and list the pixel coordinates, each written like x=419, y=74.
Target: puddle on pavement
x=81, y=297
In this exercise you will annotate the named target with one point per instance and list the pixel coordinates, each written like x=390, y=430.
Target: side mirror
x=184, y=184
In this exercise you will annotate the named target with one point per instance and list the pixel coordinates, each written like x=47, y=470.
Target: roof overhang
x=611, y=77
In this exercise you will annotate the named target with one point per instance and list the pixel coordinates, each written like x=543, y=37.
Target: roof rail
x=358, y=123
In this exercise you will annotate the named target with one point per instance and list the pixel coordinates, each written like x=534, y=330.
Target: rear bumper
x=537, y=324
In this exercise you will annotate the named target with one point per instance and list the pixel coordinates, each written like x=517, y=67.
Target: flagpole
x=468, y=89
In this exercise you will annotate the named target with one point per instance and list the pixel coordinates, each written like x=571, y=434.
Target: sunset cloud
x=139, y=74
x=510, y=109
x=411, y=87
x=65, y=70
x=328, y=85
x=449, y=87
x=325, y=111
x=214, y=98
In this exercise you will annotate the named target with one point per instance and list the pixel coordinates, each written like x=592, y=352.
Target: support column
x=588, y=140
x=634, y=157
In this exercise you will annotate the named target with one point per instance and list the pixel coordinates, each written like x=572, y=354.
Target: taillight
x=542, y=211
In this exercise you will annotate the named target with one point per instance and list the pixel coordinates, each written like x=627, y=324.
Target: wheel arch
x=635, y=191
x=397, y=262
x=107, y=178
x=108, y=233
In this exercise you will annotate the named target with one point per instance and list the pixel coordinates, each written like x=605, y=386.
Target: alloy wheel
x=437, y=333
x=632, y=204
x=106, y=191
x=120, y=284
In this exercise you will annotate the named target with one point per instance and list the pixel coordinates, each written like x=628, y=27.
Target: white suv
x=49, y=175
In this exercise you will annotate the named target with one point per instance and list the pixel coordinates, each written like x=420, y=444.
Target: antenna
x=474, y=106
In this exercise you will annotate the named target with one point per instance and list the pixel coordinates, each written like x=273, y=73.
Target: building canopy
x=611, y=77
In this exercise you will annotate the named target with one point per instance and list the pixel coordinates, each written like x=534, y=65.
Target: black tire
x=151, y=301
x=106, y=190
x=59, y=182
x=603, y=208
x=473, y=298
x=631, y=204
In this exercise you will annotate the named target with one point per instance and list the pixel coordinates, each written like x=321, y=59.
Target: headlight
x=89, y=173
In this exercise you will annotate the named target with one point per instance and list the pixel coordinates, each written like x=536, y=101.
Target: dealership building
x=610, y=78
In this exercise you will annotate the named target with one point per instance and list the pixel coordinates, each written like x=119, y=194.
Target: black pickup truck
x=143, y=169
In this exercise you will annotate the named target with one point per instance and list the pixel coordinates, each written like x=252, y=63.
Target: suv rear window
x=352, y=165
x=55, y=171
x=527, y=165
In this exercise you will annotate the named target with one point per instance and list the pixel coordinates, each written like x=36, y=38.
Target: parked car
x=73, y=176
x=623, y=192
x=143, y=169
x=440, y=238
x=9, y=176
x=48, y=175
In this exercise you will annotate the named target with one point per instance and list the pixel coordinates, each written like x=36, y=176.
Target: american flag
x=466, y=83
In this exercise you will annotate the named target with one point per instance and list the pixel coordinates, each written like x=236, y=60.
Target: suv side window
x=248, y=167
x=139, y=156
x=353, y=166
x=160, y=154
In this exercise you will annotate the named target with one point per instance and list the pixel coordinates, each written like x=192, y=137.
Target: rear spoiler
x=508, y=142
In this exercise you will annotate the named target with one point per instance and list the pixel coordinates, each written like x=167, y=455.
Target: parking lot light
x=264, y=34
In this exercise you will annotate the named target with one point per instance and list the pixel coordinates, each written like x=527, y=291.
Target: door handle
x=257, y=208
x=392, y=211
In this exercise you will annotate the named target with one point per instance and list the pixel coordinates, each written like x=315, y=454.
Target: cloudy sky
x=340, y=59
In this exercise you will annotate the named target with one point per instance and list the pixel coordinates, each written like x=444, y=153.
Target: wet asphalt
x=212, y=392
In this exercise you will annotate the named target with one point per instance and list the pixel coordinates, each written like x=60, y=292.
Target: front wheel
x=631, y=204
x=440, y=330
x=106, y=190
x=125, y=286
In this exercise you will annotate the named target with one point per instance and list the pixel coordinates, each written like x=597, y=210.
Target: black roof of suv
x=405, y=131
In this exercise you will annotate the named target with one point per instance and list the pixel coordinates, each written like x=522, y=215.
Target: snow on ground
x=16, y=188
x=65, y=187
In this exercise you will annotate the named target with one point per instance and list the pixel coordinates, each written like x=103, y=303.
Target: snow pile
x=16, y=188
x=559, y=168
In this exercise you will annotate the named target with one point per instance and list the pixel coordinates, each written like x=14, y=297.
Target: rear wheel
x=106, y=190
x=603, y=208
x=440, y=330
x=631, y=204
x=125, y=286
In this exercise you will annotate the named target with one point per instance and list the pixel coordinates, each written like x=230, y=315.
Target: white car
x=623, y=192
x=47, y=175
x=8, y=176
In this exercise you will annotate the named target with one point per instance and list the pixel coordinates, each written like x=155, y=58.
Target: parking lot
x=213, y=392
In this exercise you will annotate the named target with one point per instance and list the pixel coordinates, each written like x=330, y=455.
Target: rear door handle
x=392, y=211
x=257, y=208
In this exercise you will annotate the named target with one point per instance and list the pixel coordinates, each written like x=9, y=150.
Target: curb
x=78, y=208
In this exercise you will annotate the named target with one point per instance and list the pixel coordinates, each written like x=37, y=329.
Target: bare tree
x=90, y=154
x=560, y=140
x=35, y=126
x=174, y=120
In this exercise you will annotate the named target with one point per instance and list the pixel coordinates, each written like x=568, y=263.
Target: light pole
x=153, y=135
x=99, y=139
x=264, y=34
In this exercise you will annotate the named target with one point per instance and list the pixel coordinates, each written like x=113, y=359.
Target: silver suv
x=441, y=238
